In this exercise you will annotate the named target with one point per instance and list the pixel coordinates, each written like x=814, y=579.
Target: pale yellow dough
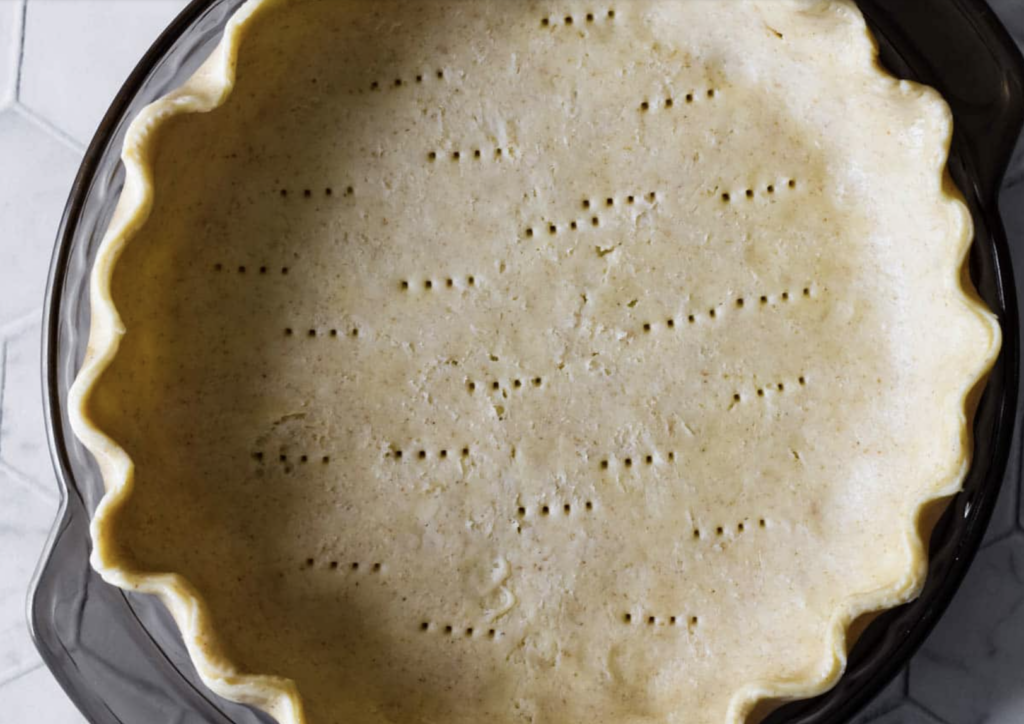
x=528, y=361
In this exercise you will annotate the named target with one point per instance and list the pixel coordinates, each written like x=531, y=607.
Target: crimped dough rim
x=205, y=91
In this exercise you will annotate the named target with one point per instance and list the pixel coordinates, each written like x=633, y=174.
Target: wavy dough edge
x=205, y=91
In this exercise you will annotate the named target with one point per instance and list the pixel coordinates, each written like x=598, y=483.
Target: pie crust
x=483, y=361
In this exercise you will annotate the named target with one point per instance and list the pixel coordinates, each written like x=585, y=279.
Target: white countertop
x=61, y=62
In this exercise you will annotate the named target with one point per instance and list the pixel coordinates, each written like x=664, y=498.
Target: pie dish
x=715, y=343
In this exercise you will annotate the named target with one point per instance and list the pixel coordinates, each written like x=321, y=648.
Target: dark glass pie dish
x=119, y=655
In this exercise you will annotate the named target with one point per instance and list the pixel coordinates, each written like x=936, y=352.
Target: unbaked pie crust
x=530, y=361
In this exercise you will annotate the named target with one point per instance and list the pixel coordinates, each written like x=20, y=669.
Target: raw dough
x=531, y=362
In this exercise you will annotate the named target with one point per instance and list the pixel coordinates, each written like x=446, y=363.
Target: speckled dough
x=530, y=362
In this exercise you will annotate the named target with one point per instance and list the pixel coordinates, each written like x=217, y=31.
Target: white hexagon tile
x=11, y=13
x=35, y=176
x=971, y=669
x=22, y=435
x=61, y=62
x=28, y=512
x=105, y=41
x=35, y=698
x=906, y=713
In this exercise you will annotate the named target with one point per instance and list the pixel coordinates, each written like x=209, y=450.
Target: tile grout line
x=927, y=710
x=20, y=324
x=3, y=388
x=38, y=664
x=1011, y=180
x=30, y=484
x=997, y=540
x=886, y=711
x=49, y=127
x=21, y=50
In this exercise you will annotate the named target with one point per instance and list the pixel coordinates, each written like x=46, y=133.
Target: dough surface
x=535, y=362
